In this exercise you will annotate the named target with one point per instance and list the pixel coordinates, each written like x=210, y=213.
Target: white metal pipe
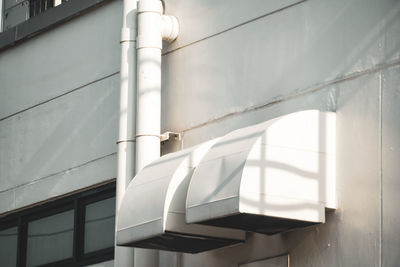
x=1, y=16
x=152, y=27
x=126, y=142
x=148, y=99
x=148, y=106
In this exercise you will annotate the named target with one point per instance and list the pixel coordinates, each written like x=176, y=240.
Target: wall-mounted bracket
x=170, y=136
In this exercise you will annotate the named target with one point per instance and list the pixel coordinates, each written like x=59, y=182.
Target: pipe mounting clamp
x=128, y=35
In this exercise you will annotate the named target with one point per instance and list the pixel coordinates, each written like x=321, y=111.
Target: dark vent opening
x=187, y=243
x=258, y=223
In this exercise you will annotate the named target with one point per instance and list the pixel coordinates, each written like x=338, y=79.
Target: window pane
x=100, y=218
x=50, y=239
x=8, y=247
x=15, y=15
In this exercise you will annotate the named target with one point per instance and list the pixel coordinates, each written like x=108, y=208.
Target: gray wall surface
x=59, y=109
x=235, y=63
x=238, y=64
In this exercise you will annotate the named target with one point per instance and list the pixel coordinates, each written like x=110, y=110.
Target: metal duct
x=152, y=213
x=268, y=178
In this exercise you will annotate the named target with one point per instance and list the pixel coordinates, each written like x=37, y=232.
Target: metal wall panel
x=324, y=100
x=390, y=166
x=350, y=236
x=57, y=137
x=65, y=182
x=257, y=247
x=199, y=20
x=271, y=57
x=281, y=261
x=60, y=60
x=7, y=200
x=220, y=68
x=391, y=27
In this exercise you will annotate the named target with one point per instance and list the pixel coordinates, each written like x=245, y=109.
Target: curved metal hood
x=152, y=212
x=268, y=178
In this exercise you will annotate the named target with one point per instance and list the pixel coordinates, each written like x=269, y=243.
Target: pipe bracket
x=169, y=136
x=126, y=141
x=128, y=35
x=147, y=135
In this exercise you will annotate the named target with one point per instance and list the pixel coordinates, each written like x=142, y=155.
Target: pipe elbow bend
x=169, y=28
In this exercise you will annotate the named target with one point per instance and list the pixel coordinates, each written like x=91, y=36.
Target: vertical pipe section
x=126, y=142
x=1, y=15
x=149, y=47
x=152, y=28
x=148, y=118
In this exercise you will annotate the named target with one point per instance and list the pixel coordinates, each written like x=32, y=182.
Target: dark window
x=99, y=218
x=39, y=6
x=14, y=12
x=22, y=19
x=50, y=238
x=8, y=246
x=73, y=231
x=18, y=11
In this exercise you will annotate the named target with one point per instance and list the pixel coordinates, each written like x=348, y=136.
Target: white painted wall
x=390, y=153
x=231, y=68
x=234, y=64
x=59, y=109
x=271, y=58
x=61, y=60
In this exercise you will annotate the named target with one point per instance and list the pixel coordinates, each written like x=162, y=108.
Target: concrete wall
x=59, y=109
x=234, y=64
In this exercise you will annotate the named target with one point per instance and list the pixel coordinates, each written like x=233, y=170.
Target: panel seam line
x=380, y=169
x=56, y=173
x=299, y=93
x=58, y=96
x=232, y=28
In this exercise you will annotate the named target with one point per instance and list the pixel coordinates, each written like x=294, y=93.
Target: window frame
x=77, y=202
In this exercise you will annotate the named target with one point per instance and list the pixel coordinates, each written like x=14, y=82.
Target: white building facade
x=234, y=64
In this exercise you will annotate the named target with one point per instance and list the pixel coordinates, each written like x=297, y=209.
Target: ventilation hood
x=268, y=178
x=152, y=212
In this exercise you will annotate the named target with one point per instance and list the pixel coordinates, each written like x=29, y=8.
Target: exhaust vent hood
x=268, y=178
x=152, y=212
